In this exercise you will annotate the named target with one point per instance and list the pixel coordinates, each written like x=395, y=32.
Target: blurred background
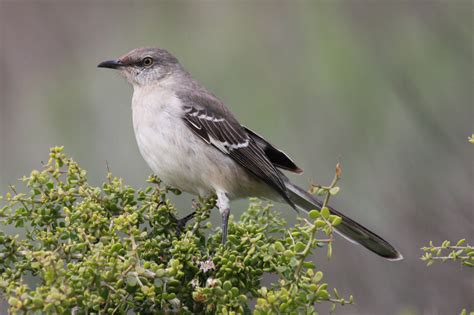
x=383, y=87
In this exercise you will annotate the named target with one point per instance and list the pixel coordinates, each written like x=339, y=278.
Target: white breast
x=178, y=156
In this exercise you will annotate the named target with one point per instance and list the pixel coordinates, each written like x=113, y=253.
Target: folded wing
x=275, y=155
x=215, y=125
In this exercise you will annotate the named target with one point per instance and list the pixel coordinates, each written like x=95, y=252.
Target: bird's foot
x=181, y=223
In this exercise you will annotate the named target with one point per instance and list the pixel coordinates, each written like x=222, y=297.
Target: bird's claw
x=181, y=223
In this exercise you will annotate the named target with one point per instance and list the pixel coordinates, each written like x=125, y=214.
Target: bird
x=191, y=140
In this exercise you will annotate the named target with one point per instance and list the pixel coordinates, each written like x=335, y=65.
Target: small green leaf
x=279, y=246
x=313, y=214
x=320, y=223
x=336, y=221
x=227, y=285
x=299, y=247
x=131, y=281
x=322, y=192
x=325, y=212
x=318, y=276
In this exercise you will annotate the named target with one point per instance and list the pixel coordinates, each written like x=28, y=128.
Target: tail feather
x=348, y=228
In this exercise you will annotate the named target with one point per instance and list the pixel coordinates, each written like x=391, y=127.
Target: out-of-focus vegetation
x=113, y=249
x=460, y=251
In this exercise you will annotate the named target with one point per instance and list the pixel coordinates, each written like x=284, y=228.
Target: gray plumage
x=192, y=141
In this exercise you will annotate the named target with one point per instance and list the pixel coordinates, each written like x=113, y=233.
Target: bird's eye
x=147, y=61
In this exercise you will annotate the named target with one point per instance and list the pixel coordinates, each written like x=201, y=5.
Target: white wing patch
x=217, y=131
x=218, y=128
x=204, y=116
x=226, y=147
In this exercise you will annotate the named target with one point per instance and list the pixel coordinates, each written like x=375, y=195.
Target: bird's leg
x=225, y=220
x=224, y=209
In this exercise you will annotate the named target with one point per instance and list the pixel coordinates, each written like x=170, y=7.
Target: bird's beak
x=111, y=64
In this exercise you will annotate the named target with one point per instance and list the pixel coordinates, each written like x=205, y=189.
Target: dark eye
x=147, y=61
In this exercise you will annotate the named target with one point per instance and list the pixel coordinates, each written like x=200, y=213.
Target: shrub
x=114, y=249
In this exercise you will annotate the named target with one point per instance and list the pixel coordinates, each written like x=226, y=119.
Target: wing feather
x=275, y=155
x=221, y=130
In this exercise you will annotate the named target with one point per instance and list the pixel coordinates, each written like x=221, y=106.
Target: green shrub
x=462, y=252
x=114, y=249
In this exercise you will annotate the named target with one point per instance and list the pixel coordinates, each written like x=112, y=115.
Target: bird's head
x=144, y=66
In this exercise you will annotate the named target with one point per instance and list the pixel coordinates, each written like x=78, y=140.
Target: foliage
x=114, y=249
x=464, y=312
x=459, y=252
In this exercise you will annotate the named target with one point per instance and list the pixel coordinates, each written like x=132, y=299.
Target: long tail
x=348, y=228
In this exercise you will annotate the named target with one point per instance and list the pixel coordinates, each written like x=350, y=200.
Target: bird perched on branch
x=192, y=141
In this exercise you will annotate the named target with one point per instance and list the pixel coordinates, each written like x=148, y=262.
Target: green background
x=384, y=87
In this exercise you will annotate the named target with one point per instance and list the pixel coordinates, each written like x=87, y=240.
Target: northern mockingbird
x=192, y=141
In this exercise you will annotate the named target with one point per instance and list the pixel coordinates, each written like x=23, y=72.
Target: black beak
x=111, y=64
